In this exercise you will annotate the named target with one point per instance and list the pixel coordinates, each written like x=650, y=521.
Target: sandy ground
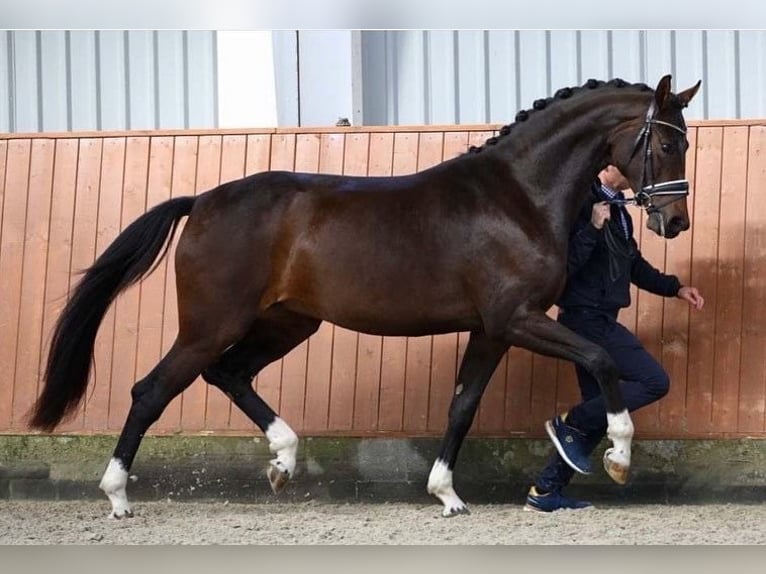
x=36, y=522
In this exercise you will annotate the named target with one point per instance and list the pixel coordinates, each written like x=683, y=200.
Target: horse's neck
x=567, y=149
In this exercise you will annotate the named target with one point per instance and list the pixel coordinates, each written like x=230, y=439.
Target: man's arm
x=585, y=236
x=645, y=276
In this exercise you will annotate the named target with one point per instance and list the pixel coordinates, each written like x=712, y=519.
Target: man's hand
x=599, y=214
x=692, y=295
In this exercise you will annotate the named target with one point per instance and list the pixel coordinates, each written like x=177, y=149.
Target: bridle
x=675, y=189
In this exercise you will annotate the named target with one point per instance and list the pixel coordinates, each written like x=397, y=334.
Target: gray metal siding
x=107, y=80
x=285, y=43
x=325, y=83
x=443, y=77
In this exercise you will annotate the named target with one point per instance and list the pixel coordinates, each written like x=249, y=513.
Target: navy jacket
x=588, y=279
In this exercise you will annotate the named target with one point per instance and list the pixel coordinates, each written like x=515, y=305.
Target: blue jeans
x=642, y=382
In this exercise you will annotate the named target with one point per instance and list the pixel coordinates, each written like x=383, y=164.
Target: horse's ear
x=662, y=92
x=686, y=96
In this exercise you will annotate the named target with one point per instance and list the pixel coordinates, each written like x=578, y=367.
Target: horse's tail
x=125, y=261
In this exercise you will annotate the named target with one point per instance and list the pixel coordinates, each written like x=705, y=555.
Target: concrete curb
x=371, y=470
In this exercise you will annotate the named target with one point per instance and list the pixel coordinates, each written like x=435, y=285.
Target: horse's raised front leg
x=481, y=358
x=541, y=334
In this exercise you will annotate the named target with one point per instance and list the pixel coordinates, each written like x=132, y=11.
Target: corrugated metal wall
x=446, y=77
x=106, y=80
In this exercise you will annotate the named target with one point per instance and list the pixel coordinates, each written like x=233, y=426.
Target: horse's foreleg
x=234, y=371
x=481, y=358
x=541, y=334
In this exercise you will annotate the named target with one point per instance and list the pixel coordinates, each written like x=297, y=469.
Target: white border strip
x=375, y=14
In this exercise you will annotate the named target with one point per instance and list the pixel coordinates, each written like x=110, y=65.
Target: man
x=599, y=274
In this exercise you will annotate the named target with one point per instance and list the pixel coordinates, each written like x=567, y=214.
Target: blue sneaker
x=551, y=501
x=570, y=443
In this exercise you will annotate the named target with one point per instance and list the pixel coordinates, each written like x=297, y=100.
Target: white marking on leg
x=113, y=484
x=620, y=432
x=440, y=485
x=284, y=443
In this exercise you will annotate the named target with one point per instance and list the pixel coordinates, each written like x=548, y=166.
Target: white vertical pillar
x=246, y=85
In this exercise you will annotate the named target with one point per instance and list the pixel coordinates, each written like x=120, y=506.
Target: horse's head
x=651, y=152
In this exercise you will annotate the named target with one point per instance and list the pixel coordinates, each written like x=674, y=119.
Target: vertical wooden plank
x=182, y=184
x=127, y=304
x=4, y=422
x=444, y=355
x=85, y=229
x=731, y=249
x=752, y=389
x=234, y=150
x=368, y=372
x=492, y=409
x=219, y=406
x=194, y=399
x=60, y=238
x=293, y=396
x=152, y=288
x=258, y=154
x=675, y=326
x=33, y=279
x=11, y=261
x=108, y=227
x=418, y=368
x=344, y=347
x=394, y=353
x=702, y=326
x=518, y=397
x=6, y=395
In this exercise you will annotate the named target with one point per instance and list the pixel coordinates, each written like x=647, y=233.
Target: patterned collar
x=610, y=193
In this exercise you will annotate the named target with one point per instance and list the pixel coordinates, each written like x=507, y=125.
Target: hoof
x=618, y=472
x=277, y=476
x=121, y=514
x=455, y=511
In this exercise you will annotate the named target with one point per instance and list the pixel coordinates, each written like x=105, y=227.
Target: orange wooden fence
x=64, y=197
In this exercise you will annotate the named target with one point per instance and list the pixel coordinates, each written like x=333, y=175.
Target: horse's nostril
x=678, y=224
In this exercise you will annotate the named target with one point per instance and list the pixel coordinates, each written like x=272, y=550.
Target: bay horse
x=477, y=243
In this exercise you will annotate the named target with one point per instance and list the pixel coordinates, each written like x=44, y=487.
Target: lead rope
x=617, y=248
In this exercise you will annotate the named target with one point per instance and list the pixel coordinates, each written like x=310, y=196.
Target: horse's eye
x=669, y=148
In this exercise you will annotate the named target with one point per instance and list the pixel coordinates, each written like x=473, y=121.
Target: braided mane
x=562, y=94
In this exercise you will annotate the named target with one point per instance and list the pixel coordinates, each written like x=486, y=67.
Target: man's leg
x=557, y=473
x=644, y=381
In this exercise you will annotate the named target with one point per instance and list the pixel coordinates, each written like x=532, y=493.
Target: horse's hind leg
x=481, y=358
x=174, y=373
x=233, y=373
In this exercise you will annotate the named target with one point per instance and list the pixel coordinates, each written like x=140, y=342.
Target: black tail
x=126, y=261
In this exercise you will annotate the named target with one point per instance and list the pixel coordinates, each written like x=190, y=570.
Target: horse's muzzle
x=667, y=228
